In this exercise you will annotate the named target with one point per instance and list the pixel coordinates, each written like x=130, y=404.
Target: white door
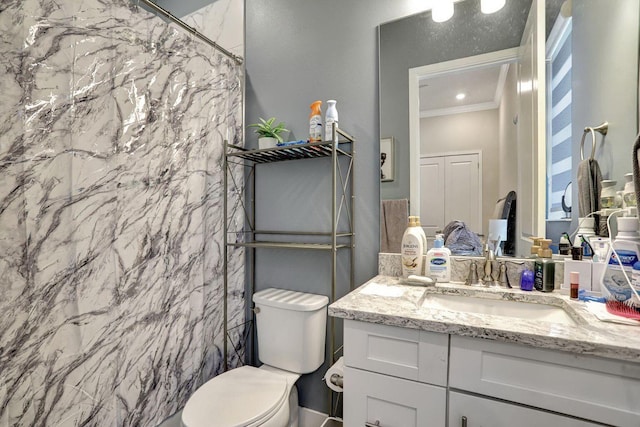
x=432, y=183
x=450, y=189
x=531, y=130
x=462, y=191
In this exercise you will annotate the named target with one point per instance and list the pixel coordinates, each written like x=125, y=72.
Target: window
x=558, y=116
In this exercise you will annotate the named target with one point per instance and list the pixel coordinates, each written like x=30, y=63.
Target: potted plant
x=269, y=135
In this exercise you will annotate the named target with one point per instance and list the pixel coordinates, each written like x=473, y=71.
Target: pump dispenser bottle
x=544, y=268
x=535, y=247
x=438, y=261
x=412, y=249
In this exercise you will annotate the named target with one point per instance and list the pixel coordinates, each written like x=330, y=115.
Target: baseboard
x=310, y=418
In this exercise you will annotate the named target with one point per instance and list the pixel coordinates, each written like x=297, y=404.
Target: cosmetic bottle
x=438, y=261
x=544, y=268
x=564, y=245
x=412, y=250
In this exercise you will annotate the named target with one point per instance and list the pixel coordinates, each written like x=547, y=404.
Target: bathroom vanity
x=460, y=356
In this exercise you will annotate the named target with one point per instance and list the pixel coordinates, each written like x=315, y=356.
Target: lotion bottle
x=412, y=249
x=439, y=261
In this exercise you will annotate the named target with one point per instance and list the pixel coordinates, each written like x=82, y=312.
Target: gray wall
x=508, y=176
x=419, y=41
x=604, y=47
x=297, y=52
x=605, y=83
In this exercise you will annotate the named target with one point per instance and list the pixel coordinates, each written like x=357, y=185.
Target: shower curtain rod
x=237, y=59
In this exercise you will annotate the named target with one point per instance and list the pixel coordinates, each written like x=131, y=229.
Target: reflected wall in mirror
x=416, y=42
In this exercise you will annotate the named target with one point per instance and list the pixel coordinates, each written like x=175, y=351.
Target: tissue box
x=582, y=267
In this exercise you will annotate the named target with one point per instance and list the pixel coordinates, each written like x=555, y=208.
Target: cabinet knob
x=376, y=424
x=464, y=422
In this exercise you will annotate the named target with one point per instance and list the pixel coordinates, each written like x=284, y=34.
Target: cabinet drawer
x=602, y=390
x=480, y=412
x=401, y=352
x=390, y=401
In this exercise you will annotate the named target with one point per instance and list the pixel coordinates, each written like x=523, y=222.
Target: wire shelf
x=289, y=152
x=288, y=245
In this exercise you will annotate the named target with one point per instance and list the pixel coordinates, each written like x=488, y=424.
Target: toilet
x=291, y=330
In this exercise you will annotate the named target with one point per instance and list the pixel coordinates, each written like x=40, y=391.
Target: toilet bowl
x=267, y=396
x=245, y=397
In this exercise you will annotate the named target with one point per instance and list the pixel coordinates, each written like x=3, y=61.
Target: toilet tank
x=291, y=329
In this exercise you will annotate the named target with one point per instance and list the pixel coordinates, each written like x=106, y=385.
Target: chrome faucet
x=489, y=258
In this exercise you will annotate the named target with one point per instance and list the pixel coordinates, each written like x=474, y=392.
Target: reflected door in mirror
x=450, y=190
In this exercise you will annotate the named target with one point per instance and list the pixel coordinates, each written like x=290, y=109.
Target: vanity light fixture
x=491, y=6
x=442, y=10
x=460, y=96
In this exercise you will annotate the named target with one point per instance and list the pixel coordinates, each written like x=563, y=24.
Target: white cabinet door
x=462, y=193
x=391, y=402
x=606, y=391
x=473, y=411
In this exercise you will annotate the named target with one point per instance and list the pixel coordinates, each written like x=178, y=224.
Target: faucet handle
x=503, y=277
x=472, y=278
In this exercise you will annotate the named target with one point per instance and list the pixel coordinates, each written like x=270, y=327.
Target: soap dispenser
x=544, y=268
x=535, y=247
x=438, y=261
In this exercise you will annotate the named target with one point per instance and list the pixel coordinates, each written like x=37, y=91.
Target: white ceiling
x=482, y=86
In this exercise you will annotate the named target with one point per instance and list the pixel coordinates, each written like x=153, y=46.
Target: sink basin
x=517, y=309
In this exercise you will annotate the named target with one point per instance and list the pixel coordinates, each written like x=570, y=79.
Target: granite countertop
x=390, y=301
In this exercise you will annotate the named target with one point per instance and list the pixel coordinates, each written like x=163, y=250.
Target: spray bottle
x=315, y=122
x=330, y=117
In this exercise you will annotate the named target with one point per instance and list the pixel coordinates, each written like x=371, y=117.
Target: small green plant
x=266, y=129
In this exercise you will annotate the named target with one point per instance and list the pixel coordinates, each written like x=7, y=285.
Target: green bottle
x=544, y=268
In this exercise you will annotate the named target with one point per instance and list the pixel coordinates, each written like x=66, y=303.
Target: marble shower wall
x=222, y=21
x=112, y=124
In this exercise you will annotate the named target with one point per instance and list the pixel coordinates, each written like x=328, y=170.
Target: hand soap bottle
x=544, y=268
x=438, y=261
x=412, y=249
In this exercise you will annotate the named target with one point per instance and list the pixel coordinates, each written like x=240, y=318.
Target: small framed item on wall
x=387, y=159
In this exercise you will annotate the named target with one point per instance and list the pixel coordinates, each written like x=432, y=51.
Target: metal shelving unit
x=342, y=157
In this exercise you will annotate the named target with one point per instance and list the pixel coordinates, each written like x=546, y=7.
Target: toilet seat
x=241, y=397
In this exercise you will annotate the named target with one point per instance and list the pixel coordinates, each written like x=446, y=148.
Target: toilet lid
x=236, y=398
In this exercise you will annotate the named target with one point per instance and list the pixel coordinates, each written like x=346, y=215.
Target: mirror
x=417, y=43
